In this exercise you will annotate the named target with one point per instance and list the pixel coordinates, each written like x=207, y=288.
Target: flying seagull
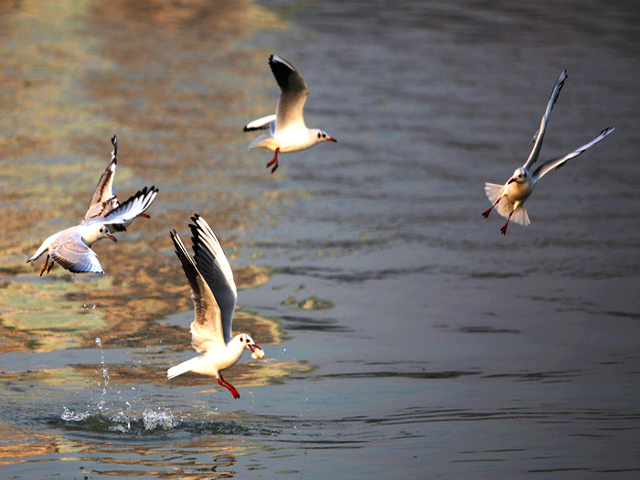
x=508, y=199
x=214, y=296
x=287, y=130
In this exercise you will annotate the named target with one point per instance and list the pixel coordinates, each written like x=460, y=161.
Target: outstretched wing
x=533, y=156
x=206, y=328
x=103, y=199
x=260, y=124
x=555, y=163
x=135, y=205
x=293, y=95
x=212, y=263
x=75, y=256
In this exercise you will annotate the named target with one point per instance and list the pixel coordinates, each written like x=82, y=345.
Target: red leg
x=46, y=264
x=226, y=384
x=274, y=161
x=486, y=213
x=504, y=227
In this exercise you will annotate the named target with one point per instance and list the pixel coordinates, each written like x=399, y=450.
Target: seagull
x=287, y=130
x=69, y=248
x=104, y=200
x=510, y=197
x=214, y=296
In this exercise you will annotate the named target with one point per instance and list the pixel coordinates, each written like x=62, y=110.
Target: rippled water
x=404, y=336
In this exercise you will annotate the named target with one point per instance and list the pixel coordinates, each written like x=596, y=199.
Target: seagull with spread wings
x=70, y=248
x=214, y=296
x=508, y=199
x=287, y=130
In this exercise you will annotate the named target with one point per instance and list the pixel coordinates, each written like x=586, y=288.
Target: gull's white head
x=322, y=136
x=104, y=232
x=93, y=231
x=247, y=342
x=519, y=176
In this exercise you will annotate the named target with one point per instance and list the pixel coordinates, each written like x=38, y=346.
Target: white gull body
x=509, y=199
x=214, y=296
x=287, y=130
x=69, y=248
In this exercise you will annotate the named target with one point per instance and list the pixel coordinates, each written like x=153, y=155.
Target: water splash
x=123, y=422
x=105, y=375
x=71, y=416
x=96, y=417
x=161, y=419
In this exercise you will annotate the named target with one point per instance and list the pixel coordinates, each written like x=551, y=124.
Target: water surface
x=404, y=335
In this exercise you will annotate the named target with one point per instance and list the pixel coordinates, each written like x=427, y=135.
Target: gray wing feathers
x=206, y=326
x=293, y=96
x=539, y=136
x=260, y=124
x=75, y=256
x=103, y=199
x=555, y=163
x=134, y=206
x=212, y=263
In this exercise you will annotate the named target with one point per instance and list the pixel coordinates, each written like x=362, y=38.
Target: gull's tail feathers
x=265, y=141
x=520, y=216
x=43, y=248
x=183, y=367
x=504, y=206
x=493, y=191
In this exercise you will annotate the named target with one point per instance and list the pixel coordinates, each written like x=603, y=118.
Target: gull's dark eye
x=324, y=135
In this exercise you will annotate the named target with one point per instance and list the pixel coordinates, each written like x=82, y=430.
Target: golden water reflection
x=163, y=76
x=73, y=74
x=209, y=456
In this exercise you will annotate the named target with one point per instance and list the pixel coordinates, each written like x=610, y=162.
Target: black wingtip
x=176, y=243
x=114, y=142
x=254, y=129
x=195, y=218
x=194, y=227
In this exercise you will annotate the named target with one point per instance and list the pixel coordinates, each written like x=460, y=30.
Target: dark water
x=404, y=336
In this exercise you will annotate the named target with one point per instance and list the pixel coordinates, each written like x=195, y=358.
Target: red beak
x=111, y=237
x=511, y=180
x=331, y=139
x=253, y=347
